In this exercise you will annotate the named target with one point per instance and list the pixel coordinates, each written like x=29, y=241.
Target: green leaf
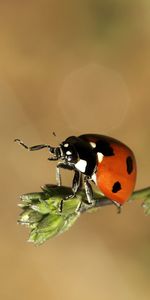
x=31, y=197
x=146, y=205
x=50, y=222
x=69, y=221
x=71, y=205
x=38, y=238
x=28, y=216
x=50, y=226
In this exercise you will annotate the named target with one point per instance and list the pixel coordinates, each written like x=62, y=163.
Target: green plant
x=41, y=210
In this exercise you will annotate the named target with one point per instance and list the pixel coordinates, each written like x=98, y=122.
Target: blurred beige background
x=73, y=67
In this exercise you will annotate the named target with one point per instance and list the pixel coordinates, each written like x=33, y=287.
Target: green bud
x=49, y=223
x=49, y=226
x=71, y=205
x=146, y=206
x=28, y=216
x=31, y=197
x=69, y=221
x=39, y=238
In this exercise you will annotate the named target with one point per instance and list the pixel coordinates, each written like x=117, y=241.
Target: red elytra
x=116, y=173
x=114, y=170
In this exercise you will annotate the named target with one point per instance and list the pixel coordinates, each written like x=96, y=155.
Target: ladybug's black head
x=69, y=152
x=79, y=155
x=66, y=151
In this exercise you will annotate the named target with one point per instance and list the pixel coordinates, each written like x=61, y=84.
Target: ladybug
x=109, y=163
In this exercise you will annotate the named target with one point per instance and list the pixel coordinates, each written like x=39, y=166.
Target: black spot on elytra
x=129, y=163
x=104, y=148
x=116, y=187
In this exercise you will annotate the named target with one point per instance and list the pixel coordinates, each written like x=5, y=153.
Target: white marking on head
x=94, y=178
x=100, y=157
x=69, y=158
x=68, y=153
x=93, y=145
x=81, y=165
x=66, y=145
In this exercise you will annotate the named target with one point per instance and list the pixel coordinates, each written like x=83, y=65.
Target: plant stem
x=101, y=201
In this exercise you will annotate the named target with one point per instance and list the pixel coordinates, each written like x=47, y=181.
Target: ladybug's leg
x=88, y=190
x=119, y=206
x=77, y=181
x=75, y=184
x=61, y=165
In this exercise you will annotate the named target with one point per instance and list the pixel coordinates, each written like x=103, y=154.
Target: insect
x=107, y=162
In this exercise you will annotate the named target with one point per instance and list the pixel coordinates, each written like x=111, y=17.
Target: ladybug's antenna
x=54, y=134
x=36, y=147
x=56, y=137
